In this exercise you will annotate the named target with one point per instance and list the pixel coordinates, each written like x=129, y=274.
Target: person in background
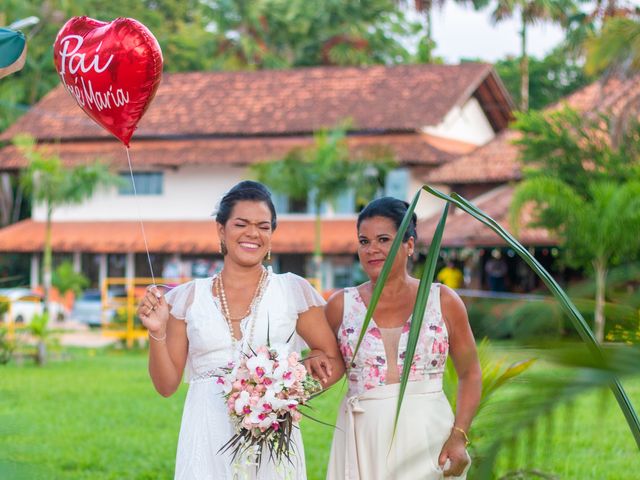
x=451, y=276
x=172, y=268
x=496, y=270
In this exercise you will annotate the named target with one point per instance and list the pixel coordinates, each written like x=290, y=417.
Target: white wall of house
x=468, y=123
x=428, y=204
x=189, y=193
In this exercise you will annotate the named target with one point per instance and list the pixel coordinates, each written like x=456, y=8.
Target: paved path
x=79, y=335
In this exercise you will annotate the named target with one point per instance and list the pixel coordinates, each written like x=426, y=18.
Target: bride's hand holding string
x=154, y=312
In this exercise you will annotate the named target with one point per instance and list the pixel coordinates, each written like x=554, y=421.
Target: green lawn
x=97, y=416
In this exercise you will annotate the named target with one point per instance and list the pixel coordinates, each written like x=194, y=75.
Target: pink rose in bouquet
x=264, y=392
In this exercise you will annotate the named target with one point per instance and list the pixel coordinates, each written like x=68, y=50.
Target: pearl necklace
x=252, y=309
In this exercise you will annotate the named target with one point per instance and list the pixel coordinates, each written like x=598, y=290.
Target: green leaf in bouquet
x=306, y=415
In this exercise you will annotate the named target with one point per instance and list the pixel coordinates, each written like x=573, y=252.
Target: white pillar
x=327, y=273
x=130, y=266
x=77, y=262
x=34, y=281
x=102, y=269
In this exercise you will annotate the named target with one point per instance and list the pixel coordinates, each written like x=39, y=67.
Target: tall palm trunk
x=41, y=353
x=6, y=199
x=524, y=66
x=46, y=261
x=428, y=20
x=601, y=282
x=317, y=246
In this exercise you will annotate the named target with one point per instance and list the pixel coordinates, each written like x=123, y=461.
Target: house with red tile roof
x=488, y=174
x=204, y=129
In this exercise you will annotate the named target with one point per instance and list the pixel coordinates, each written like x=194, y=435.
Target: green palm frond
x=495, y=374
x=600, y=369
x=538, y=394
x=617, y=46
x=557, y=199
x=567, y=305
x=46, y=179
x=422, y=298
x=617, y=210
x=600, y=223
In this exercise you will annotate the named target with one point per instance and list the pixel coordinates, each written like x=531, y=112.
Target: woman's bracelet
x=161, y=339
x=464, y=434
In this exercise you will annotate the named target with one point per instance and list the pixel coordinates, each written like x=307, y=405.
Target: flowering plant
x=264, y=392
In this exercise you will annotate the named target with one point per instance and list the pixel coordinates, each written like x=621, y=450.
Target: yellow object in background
x=451, y=276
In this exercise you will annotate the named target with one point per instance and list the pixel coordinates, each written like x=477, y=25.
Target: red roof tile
x=498, y=159
x=193, y=237
x=462, y=230
x=408, y=149
x=379, y=98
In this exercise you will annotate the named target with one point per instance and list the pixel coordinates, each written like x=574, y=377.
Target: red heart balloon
x=112, y=69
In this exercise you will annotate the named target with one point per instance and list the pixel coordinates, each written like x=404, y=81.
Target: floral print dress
x=364, y=445
x=369, y=369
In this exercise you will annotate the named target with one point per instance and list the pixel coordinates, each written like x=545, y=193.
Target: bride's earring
x=223, y=248
x=269, y=255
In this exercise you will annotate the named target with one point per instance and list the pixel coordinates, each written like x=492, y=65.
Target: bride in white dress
x=205, y=323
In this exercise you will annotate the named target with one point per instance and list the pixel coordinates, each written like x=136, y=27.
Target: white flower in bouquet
x=264, y=392
x=260, y=365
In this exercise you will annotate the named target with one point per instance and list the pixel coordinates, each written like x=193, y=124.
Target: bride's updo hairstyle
x=245, y=190
x=394, y=210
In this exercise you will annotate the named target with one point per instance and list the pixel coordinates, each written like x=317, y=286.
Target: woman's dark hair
x=245, y=190
x=393, y=209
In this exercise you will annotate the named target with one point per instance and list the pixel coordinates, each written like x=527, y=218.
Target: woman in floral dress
x=430, y=442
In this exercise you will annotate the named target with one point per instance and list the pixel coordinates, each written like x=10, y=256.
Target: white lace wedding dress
x=205, y=422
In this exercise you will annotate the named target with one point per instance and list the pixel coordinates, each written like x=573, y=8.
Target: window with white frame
x=147, y=183
x=397, y=183
x=344, y=203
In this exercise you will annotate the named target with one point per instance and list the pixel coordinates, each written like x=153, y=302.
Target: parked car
x=88, y=307
x=25, y=303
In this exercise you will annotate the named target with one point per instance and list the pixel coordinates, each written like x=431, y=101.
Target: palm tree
x=52, y=184
x=581, y=177
x=528, y=12
x=616, y=47
x=425, y=9
x=597, y=230
x=321, y=173
x=585, y=25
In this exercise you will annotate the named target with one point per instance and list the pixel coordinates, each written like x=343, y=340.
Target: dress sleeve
x=180, y=299
x=302, y=296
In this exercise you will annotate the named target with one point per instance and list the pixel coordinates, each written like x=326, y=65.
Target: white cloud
x=460, y=32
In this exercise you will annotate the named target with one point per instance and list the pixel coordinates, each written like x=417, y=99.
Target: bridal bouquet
x=264, y=392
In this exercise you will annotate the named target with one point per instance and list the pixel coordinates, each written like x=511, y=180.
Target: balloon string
x=144, y=235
